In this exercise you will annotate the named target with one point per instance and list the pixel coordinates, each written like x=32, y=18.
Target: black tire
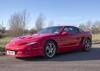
x=50, y=49
x=87, y=43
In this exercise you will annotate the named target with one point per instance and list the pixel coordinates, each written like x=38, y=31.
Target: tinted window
x=50, y=30
x=71, y=30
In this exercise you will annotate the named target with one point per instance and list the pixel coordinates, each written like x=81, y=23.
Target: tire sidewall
x=45, y=55
x=84, y=44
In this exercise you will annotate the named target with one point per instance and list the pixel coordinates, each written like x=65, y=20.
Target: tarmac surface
x=73, y=61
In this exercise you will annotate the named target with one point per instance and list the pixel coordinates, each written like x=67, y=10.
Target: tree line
x=19, y=21
x=93, y=27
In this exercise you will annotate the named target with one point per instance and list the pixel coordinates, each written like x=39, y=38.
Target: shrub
x=2, y=49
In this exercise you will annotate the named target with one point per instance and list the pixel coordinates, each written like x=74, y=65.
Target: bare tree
x=2, y=28
x=39, y=22
x=82, y=26
x=87, y=26
x=96, y=27
x=92, y=27
x=17, y=22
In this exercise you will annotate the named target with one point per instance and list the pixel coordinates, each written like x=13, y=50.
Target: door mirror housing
x=65, y=33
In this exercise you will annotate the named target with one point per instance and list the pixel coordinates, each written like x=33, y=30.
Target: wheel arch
x=83, y=38
x=48, y=40
x=53, y=41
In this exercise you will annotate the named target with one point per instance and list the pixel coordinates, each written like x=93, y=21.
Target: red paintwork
x=65, y=42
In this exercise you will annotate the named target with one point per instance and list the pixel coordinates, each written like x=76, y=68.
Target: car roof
x=64, y=26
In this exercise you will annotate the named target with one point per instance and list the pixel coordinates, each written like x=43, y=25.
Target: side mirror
x=65, y=33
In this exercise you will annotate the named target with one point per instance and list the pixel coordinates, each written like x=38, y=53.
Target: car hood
x=28, y=38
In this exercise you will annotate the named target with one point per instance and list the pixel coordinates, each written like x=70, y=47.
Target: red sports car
x=49, y=41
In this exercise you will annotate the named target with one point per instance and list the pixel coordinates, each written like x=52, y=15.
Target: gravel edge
x=2, y=53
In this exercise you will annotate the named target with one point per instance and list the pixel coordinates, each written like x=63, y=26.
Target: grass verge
x=96, y=38
x=3, y=42
x=2, y=49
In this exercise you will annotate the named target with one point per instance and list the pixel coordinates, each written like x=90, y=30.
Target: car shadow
x=94, y=54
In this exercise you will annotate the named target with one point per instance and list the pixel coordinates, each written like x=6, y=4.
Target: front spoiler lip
x=25, y=55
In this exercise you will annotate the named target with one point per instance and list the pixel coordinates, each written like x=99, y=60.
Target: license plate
x=10, y=52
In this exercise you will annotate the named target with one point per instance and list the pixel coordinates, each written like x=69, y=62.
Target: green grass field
x=5, y=40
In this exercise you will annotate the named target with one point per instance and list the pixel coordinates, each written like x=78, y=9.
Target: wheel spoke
x=50, y=50
x=87, y=45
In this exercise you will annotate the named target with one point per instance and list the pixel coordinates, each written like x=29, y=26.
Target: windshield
x=50, y=30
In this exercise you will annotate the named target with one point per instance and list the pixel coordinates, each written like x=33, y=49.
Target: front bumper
x=25, y=52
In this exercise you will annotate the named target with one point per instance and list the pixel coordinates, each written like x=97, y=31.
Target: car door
x=71, y=40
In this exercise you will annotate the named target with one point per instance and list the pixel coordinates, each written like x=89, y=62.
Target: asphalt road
x=74, y=61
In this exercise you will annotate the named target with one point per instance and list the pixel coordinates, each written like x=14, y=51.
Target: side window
x=72, y=30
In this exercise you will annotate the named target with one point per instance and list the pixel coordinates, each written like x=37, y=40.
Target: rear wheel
x=87, y=45
x=50, y=49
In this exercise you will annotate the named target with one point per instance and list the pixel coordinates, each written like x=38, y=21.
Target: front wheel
x=50, y=49
x=87, y=45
